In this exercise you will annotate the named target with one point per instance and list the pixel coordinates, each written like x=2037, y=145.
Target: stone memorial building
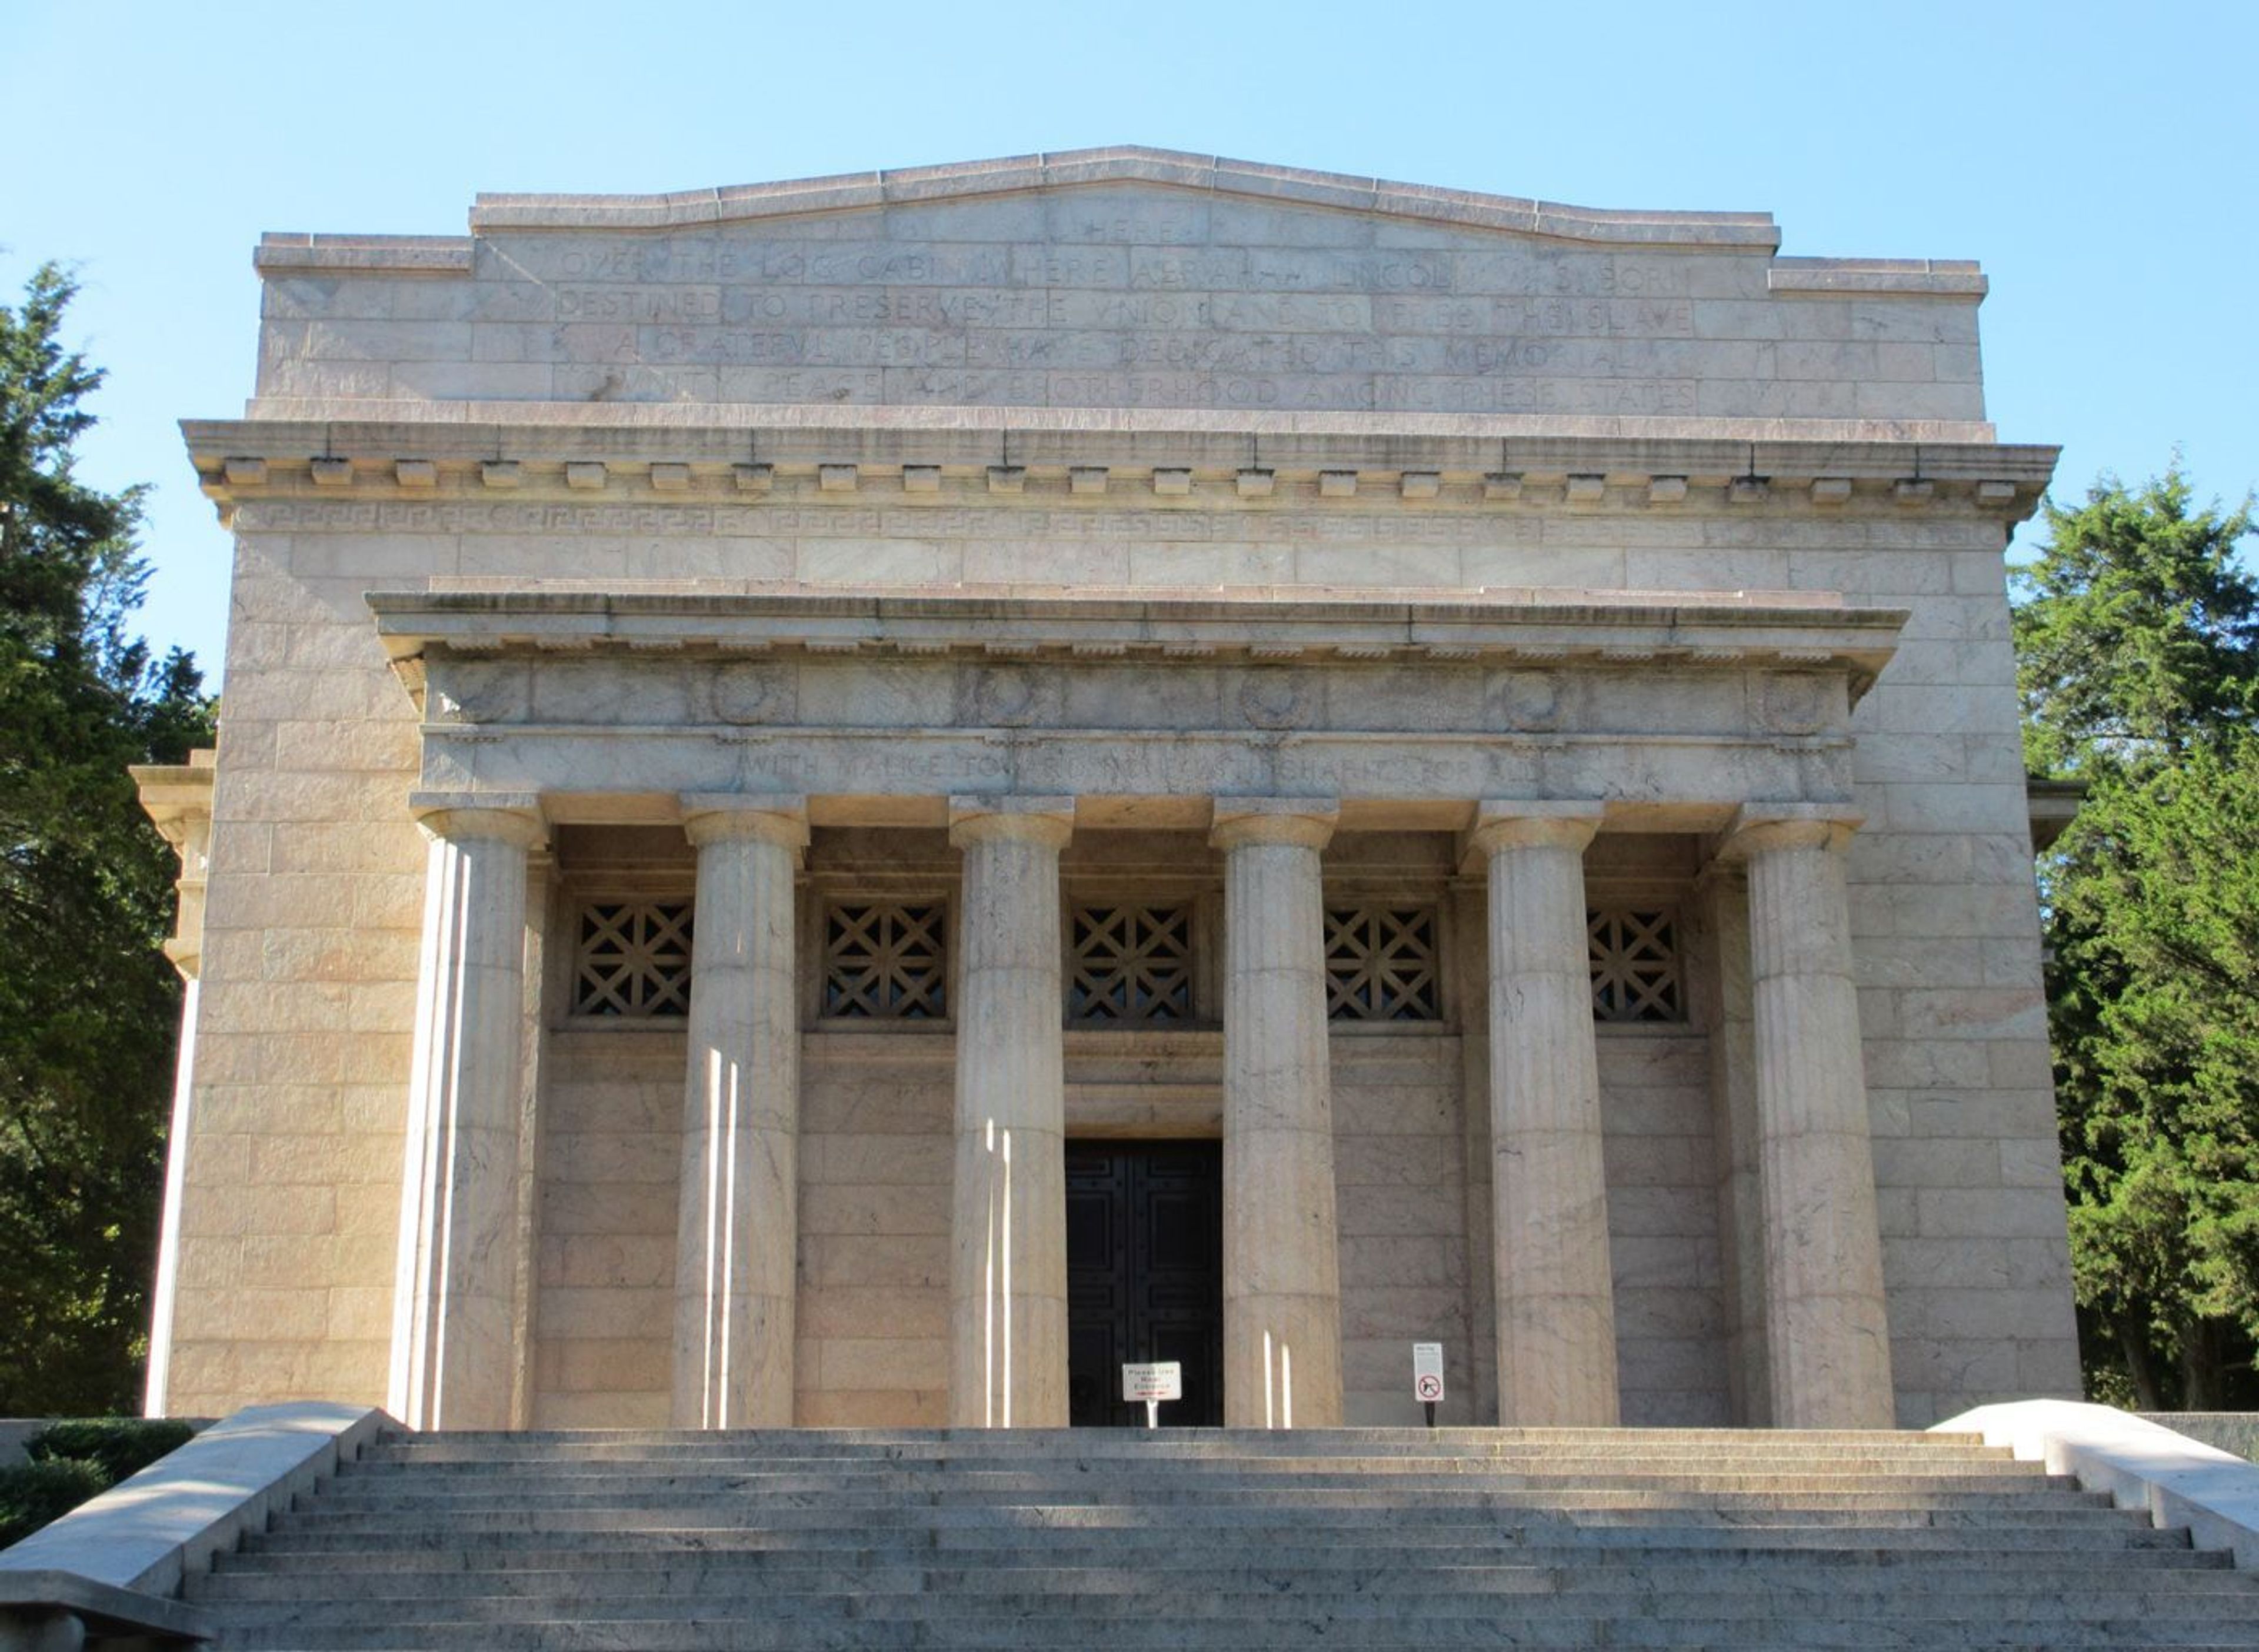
x=852, y=801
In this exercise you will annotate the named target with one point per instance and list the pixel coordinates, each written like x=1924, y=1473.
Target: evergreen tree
x=2138, y=644
x=89, y=1006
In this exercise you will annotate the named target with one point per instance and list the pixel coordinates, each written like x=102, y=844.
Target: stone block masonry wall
x=1124, y=297
x=1399, y=1202
x=610, y=1169
x=875, y=1167
x=1118, y=371
x=1662, y=1227
x=289, y=1220
x=1945, y=939
x=313, y=915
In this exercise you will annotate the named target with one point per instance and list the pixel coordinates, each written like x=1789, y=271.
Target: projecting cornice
x=1527, y=626
x=745, y=455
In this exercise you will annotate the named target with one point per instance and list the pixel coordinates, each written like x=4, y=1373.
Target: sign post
x=1152, y=1382
x=1428, y=1376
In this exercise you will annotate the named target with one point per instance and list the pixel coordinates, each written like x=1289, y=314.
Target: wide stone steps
x=1199, y=1477
x=2127, y=1531
x=1163, y=1444
x=1357, y=1538
x=1291, y=1626
x=1724, y=1547
x=970, y=1487
x=497, y=1594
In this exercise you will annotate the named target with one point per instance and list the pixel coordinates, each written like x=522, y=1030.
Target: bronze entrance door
x=1144, y=1276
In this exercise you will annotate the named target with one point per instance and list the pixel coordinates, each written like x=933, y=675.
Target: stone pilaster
x=1827, y=1334
x=179, y=800
x=1281, y=1267
x=739, y=1224
x=1721, y=940
x=1007, y=1273
x=453, y=1296
x=1556, y=1313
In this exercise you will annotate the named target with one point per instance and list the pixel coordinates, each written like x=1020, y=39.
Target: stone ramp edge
x=117, y=1562
x=2142, y=1464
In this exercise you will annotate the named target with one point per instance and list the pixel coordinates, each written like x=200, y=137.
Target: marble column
x=1828, y=1338
x=1007, y=1271
x=455, y=1288
x=1556, y=1313
x=1281, y=1267
x=738, y=1243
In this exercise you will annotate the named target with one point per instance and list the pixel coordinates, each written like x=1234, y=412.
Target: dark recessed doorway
x=1144, y=1276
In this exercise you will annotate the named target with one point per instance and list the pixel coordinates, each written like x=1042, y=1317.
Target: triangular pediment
x=1157, y=174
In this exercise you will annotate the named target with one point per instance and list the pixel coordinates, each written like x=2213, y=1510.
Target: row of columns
x=734, y=1331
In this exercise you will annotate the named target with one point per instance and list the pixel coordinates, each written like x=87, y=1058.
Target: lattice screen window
x=886, y=960
x=1634, y=958
x=633, y=960
x=1129, y=965
x=1380, y=963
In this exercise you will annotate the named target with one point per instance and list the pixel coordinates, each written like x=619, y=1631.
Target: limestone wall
x=610, y=1165
x=315, y=885
x=312, y=922
x=877, y=1122
x=1662, y=1227
x=1400, y=1205
x=1146, y=289
x=1288, y=318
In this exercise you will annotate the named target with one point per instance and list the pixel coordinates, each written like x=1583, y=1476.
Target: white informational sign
x=1164, y=1379
x=1428, y=1371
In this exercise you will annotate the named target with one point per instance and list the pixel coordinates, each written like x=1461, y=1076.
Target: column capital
x=1555, y=822
x=772, y=817
x=1048, y=820
x=1759, y=828
x=508, y=817
x=1300, y=822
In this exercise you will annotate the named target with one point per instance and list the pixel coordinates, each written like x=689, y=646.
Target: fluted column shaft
x=1281, y=1269
x=1007, y=1275
x=739, y=1225
x=455, y=1288
x=1556, y=1336
x=1826, y=1332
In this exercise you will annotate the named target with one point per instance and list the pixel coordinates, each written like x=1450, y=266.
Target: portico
x=1292, y=703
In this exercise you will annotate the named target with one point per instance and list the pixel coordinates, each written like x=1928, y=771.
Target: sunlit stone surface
x=1093, y=650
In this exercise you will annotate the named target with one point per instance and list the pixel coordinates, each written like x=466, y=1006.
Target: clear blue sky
x=2099, y=160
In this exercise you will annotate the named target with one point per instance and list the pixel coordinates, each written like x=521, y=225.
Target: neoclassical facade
x=853, y=801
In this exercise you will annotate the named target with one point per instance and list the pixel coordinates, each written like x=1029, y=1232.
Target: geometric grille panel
x=1380, y=963
x=1634, y=958
x=634, y=959
x=886, y=960
x=1130, y=966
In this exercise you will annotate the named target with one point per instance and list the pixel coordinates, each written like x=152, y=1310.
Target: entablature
x=746, y=454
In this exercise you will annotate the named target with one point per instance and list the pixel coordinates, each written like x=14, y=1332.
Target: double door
x=1144, y=1276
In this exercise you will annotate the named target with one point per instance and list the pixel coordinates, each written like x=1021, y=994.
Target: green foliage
x=34, y=1493
x=2136, y=632
x=71, y=1462
x=2139, y=666
x=120, y=1446
x=88, y=1005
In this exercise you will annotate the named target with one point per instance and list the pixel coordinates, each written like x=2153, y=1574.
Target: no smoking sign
x=1427, y=1372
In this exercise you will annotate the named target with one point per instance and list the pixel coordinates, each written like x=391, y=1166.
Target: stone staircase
x=1354, y=1538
